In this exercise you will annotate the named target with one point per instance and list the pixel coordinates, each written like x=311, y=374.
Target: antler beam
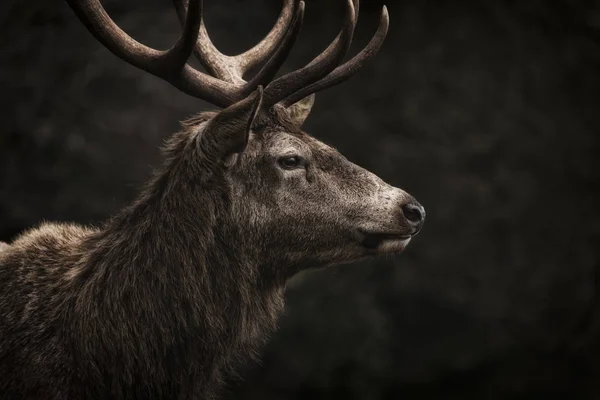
x=169, y=65
x=225, y=83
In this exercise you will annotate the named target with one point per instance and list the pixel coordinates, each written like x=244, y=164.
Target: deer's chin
x=383, y=242
x=392, y=246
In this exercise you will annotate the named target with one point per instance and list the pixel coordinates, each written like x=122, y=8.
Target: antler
x=233, y=68
x=349, y=68
x=226, y=85
x=321, y=72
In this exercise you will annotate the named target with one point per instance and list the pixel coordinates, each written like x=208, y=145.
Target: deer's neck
x=177, y=237
x=169, y=268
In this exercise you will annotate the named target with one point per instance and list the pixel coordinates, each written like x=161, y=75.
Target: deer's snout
x=414, y=213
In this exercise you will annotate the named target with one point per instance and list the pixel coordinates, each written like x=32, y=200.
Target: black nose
x=415, y=215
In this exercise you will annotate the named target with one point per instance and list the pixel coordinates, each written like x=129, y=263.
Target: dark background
x=488, y=112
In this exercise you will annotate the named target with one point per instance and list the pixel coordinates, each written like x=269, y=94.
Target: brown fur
x=188, y=281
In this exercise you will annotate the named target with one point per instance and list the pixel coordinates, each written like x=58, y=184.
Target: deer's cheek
x=295, y=180
x=310, y=174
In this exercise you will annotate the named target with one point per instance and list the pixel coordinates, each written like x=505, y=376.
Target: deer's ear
x=299, y=111
x=227, y=132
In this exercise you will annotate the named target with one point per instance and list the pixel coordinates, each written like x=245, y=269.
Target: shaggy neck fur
x=170, y=290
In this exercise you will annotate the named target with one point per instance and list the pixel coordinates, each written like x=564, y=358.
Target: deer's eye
x=291, y=162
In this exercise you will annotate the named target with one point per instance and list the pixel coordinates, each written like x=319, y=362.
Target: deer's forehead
x=279, y=142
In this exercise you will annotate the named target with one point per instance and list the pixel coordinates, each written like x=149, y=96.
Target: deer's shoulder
x=35, y=264
x=46, y=241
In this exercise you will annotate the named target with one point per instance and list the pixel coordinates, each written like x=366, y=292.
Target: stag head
x=279, y=187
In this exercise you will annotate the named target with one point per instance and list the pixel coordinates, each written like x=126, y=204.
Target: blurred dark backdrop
x=488, y=112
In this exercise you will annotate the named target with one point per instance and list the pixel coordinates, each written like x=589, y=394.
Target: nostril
x=413, y=213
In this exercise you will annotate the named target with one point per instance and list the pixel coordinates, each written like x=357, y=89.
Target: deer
x=178, y=289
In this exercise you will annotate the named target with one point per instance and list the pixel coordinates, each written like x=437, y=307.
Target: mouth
x=386, y=241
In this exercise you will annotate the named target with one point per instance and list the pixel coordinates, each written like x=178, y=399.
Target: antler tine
x=215, y=62
x=278, y=56
x=169, y=65
x=322, y=65
x=233, y=68
x=185, y=45
x=356, y=4
x=280, y=53
x=260, y=53
x=348, y=69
